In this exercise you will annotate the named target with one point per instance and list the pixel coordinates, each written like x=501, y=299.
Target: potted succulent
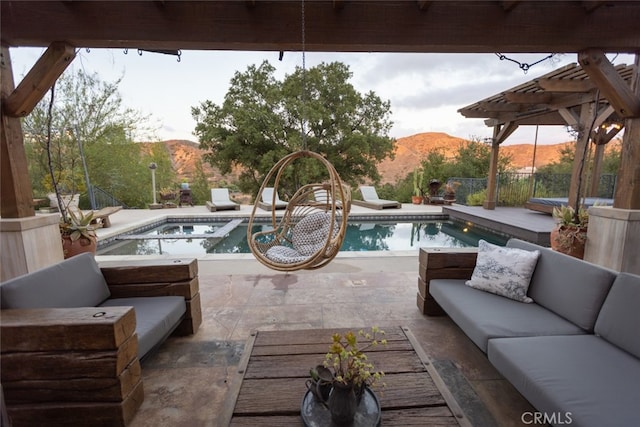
x=78, y=234
x=569, y=236
x=346, y=373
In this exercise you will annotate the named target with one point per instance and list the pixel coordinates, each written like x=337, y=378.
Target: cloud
x=425, y=90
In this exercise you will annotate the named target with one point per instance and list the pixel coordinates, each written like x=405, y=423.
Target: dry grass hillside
x=409, y=152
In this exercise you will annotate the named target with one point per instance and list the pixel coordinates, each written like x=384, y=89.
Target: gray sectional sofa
x=574, y=353
x=73, y=335
x=78, y=282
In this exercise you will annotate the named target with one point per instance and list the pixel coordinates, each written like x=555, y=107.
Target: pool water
x=189, y=239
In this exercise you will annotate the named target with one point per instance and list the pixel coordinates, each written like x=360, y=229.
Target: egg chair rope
x=311, y=229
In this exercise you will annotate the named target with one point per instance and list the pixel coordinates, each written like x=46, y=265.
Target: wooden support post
x=577, y=173
x=15, y=188
x=16, y=195
x=492, y=180
x=601, y=138
x=628, y=187
x=500, y=134
x=596, y=170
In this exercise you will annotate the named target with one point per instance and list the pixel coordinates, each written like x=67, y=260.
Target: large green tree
x=88, y=118
x=262, y=119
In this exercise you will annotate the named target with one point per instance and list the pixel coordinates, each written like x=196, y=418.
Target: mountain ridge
x=409, y=152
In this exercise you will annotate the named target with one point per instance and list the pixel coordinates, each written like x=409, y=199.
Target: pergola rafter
x=567, y=96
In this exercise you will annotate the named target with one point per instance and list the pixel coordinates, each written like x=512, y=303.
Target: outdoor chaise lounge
x=371, y=200
x=220, y=200
x=546, y=204
x=267, y=200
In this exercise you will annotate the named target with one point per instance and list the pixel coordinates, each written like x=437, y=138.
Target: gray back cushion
x=74, y=282
x=571, y=288
x=619, y=319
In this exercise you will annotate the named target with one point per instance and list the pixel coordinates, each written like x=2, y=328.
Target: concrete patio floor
x=187, y=380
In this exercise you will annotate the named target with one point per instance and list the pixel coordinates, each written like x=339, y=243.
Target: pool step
x=218, y=234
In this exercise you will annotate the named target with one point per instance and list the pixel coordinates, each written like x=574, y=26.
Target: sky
x=425, y=90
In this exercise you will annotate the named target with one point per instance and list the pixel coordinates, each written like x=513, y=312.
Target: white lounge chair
x=371, y=199
x=220, y=200
x=267, y=200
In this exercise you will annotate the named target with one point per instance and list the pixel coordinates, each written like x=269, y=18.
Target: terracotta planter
x=416, y=200
x=569, y=240
x=81, y=245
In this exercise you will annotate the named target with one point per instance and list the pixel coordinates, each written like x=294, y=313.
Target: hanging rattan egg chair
x=309, y=232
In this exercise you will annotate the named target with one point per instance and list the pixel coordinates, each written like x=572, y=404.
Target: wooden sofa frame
x=71, y=366
x=442, y=263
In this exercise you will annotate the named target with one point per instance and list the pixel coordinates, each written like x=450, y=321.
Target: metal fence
x=514, y=189
x=104, y=199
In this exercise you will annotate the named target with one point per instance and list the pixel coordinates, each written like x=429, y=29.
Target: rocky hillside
x=409, y=152
x=412, y=149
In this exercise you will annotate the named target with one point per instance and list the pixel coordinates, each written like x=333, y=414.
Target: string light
x=523, y=65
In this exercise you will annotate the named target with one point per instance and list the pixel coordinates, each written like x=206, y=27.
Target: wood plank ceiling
x=331, y=25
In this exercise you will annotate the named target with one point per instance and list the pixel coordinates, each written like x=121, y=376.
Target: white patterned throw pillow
x=504, y=271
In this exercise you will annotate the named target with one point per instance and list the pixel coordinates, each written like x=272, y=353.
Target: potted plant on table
x=343, y=378
x=570, y=233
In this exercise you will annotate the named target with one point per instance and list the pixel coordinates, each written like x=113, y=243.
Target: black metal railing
x=104, y=199
x=514, y=188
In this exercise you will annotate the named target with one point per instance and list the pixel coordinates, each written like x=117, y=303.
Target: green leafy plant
x=477, y=198
x=347, y=363
x=566, y=216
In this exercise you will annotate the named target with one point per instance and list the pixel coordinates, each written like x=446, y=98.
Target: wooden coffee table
x=270, y=383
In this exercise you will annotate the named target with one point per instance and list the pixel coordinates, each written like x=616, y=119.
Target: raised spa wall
x=613, y=238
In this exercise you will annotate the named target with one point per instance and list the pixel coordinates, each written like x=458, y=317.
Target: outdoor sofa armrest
x=67, y=365
x=160, y=277
x=442, y=263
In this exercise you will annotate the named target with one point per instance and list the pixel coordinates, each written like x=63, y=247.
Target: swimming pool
x=198, y=239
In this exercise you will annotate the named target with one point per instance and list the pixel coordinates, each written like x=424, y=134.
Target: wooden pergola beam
x=528, y=98
x=482, y=26
x=559, y=85
x=611, y=85
x=39, y=80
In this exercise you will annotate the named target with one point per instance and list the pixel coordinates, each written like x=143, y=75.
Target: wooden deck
x=271, y=382
x=521, y=223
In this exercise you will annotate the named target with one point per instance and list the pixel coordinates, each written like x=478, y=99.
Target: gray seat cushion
x=74, y=282
x=156, y=318
x=619, y=319
x=582, y=374
x=571, y=288
x=482, y=315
